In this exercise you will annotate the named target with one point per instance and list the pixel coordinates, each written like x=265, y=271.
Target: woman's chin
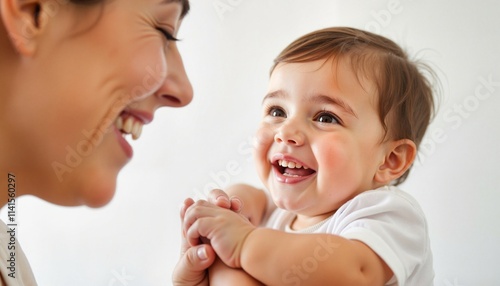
x=94, y=190
x=99, y=193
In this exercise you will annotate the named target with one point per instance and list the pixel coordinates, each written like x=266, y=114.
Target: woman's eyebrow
x=325, y=99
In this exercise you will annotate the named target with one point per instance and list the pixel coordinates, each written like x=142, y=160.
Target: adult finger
x=190, y=269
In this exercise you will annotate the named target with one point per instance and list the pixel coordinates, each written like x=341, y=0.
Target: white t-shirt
x=14, y=267
x=389, y=221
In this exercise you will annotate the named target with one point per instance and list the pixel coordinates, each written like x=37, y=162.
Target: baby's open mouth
x=292, y=169
x=128, y=124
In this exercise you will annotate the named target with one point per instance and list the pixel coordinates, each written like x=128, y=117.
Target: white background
x=228, y=54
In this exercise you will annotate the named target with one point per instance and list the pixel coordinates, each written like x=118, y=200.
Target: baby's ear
x=23, y=23
x=398, y=159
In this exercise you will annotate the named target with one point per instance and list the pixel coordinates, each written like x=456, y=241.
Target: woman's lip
x=144, y=116
x=129, y=152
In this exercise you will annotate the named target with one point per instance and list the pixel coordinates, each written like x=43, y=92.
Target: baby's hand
x=218, y=198
x=225, y=229
x=222, y=199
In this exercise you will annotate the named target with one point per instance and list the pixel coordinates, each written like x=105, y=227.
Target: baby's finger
x=236, y=204
x=198, y=210
x=195, y=234
x=187, y=203
x=219, y=198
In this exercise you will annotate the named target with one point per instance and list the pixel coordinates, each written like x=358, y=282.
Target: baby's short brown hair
x=405, y=97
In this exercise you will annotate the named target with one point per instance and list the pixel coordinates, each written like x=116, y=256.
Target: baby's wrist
x=247, y=248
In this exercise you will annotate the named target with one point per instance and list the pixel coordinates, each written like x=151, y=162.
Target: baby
x=342, y=119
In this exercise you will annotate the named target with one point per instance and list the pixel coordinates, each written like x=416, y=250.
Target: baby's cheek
x=263, y=140
x=264, y=135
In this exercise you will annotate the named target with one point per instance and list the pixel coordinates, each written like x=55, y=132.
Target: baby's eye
x=327, y=117
x=275, y=111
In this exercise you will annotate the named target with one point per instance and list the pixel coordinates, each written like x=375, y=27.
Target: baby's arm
x=254, y=202
x=276, y=257
x=254, y=207
x=220, y=274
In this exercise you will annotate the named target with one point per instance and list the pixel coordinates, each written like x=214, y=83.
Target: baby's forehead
x=334, y=78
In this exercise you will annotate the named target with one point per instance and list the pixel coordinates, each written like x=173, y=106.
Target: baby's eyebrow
x=275, y=94
x=325, y=99
x=316, y=99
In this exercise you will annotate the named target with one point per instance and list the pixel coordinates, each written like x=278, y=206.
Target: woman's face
x=97, y=71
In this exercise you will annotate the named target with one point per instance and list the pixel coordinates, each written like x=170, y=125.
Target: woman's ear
x=398, y=159
x=22, y=22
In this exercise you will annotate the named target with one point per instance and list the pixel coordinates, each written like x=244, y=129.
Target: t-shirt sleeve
x=391, y=224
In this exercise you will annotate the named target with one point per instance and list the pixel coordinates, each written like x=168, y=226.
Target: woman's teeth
x=130, y=125
x=289, y=164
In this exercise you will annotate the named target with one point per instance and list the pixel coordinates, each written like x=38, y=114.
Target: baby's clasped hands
x=225, y=228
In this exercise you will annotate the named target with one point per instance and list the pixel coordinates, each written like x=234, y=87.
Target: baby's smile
x=293, y=169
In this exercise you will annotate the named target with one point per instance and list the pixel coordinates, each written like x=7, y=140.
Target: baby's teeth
x=287, y=164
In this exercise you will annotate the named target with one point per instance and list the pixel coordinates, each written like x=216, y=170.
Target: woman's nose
x=176, y=91
x=289, y=134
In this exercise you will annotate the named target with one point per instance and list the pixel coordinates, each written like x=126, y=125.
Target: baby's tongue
x=298, y=171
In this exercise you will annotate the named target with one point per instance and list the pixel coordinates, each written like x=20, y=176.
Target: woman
x=76, y=77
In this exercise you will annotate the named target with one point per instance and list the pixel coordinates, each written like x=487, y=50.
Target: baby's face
x=320, y=139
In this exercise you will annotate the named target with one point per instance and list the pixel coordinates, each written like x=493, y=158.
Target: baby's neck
x=302, y=221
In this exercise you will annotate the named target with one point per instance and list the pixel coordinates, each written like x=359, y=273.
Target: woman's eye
x=167, y=35
x=326, y=117
x=277, y=112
